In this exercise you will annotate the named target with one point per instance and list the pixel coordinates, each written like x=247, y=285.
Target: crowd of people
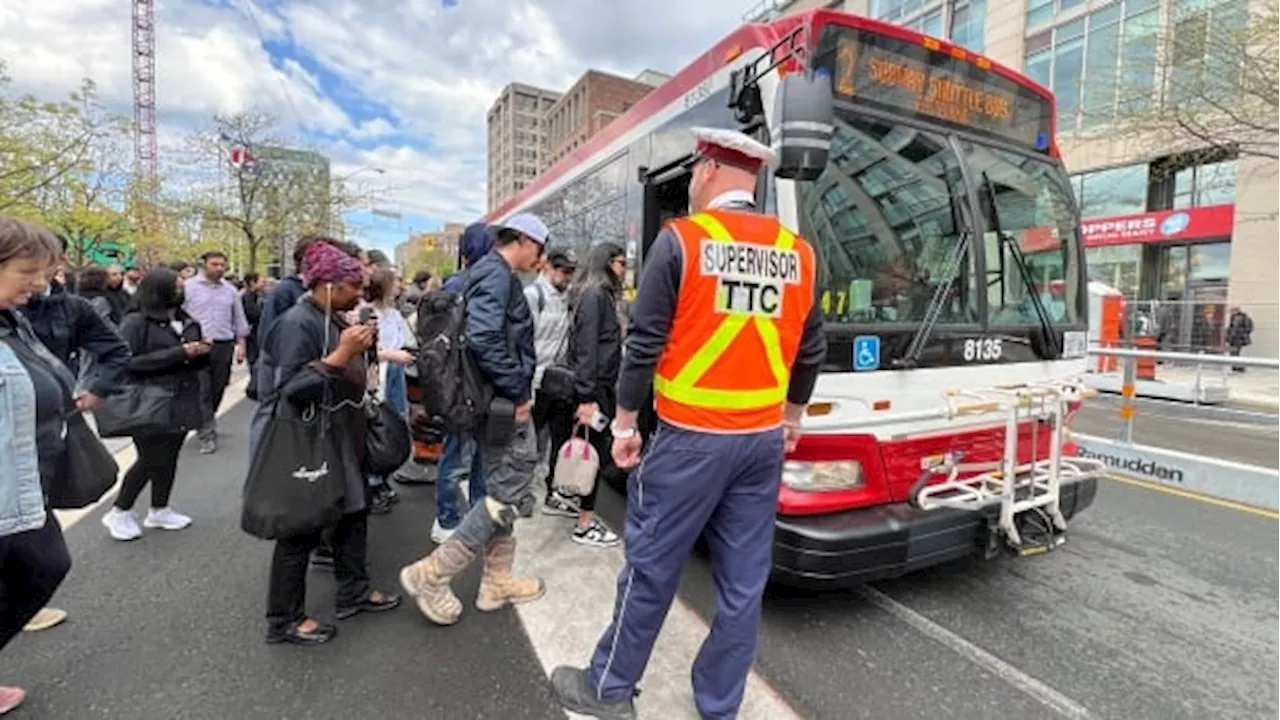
x=181, y=328
x=544, y=330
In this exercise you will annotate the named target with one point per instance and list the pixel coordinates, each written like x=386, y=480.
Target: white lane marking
x=127, y=455
x=1030, y=686
x=564, y=627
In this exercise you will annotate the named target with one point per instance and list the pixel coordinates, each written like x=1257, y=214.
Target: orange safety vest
x=745, y=293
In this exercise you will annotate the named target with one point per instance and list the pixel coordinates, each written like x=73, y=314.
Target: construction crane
x=144, y=110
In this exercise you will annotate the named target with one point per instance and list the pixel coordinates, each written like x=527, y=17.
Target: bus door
x=666, y=196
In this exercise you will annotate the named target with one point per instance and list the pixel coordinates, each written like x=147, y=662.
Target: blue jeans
x=397, y=397
x=458, y=461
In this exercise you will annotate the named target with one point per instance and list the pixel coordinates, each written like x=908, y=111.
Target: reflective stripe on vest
x=683, y=387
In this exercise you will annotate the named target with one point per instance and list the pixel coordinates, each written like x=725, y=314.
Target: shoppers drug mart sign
x=1200, y=223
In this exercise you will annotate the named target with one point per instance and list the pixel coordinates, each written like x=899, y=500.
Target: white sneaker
x=166, y=519
x=121, y=524
x=439, y=534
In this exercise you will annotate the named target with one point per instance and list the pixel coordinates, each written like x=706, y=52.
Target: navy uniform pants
x=690, y=484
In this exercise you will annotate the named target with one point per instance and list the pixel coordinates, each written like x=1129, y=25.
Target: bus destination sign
x=902, y=76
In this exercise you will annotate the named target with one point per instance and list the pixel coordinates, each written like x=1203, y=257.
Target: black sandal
x=292, y=635
x=389, y=601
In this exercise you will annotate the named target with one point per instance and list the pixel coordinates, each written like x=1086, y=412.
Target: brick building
x=444, y=240
x=595, y=99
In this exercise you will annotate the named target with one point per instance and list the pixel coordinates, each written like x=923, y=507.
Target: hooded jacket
x=476, y=242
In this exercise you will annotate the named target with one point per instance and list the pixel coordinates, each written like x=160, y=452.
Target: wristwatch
x=621, y=433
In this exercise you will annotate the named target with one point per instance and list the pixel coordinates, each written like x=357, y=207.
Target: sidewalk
x=1255, y=389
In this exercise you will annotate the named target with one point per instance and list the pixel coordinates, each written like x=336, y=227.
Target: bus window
x=883, y=220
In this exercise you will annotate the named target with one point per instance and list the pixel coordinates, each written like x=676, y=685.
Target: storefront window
x=1118, y=191
x=1210, y=262
x=1213, y=184
x=1119, y=266
x=1173, y=281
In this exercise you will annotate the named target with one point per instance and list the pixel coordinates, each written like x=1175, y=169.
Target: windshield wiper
x=933, y=311
x=1046, y=323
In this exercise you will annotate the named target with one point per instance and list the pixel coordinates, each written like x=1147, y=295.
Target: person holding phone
x=595, y=353
x=168, y=350
x=316, y=359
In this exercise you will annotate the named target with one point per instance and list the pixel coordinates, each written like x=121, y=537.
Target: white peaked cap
x=732, y=146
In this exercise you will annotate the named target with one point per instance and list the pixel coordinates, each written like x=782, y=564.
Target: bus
x=951, y=269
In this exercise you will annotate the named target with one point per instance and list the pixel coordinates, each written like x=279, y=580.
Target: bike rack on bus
x=1027, y=494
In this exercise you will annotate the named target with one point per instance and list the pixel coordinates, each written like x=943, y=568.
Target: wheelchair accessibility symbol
x=866, y=352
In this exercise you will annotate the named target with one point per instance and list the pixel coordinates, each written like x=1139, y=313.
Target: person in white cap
x=727, y=332
x=500, y=337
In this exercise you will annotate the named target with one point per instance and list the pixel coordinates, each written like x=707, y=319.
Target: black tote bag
x=87, y=471
x=139, y=409
x=295, y=484
x=387, y=442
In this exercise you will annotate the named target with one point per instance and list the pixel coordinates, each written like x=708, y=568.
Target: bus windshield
x=892, y=208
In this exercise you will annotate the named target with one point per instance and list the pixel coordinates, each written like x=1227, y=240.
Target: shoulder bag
x=295, y=485
x=87, y=470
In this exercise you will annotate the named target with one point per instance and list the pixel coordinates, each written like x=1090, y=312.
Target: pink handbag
x=577, y=466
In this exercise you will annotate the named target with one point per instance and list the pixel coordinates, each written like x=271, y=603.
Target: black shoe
x=292, y=635
x=379, y=504
x=389, y=493
x=389, y=601
x=574, y=693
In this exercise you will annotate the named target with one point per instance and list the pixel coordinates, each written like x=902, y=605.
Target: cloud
x=400, y=85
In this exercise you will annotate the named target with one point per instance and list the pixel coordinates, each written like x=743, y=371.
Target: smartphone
x=599, y=421
x=367, y=315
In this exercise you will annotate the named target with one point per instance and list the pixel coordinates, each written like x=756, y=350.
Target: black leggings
x=557, y=418
x=158, y=464
x=32, y=566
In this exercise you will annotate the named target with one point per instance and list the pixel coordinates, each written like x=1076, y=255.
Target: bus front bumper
x=857, y=546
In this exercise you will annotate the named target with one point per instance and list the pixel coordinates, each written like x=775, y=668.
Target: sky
x=394, y=89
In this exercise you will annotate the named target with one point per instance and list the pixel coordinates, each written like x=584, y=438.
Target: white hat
x=732, y=147
x=527, y=224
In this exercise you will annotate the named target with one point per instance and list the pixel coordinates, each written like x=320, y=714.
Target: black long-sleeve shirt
x=651, y=315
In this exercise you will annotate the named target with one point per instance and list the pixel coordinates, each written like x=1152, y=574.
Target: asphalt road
x=1158, y=607
x=1241, y=436
x=171, y=626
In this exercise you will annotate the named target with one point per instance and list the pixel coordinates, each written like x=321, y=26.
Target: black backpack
x=454, y=391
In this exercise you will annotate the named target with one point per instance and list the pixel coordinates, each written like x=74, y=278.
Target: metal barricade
x=1213, y=398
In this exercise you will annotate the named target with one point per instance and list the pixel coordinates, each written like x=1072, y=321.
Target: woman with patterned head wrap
x=316, y=358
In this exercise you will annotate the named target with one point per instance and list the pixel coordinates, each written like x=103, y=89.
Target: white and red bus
x=951, y=269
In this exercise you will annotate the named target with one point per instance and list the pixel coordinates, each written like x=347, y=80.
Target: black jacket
x=159, y=359
x=595, y=346
x=289, y=370
x=500, y=327
x=71, y=328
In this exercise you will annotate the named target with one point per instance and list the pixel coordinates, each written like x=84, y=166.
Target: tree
x=58, y=160
x=272, y=193
x=434, y=260
x=1216, y=82
x=90, y=201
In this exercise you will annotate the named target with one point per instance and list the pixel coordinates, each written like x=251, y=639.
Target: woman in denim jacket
x=35, y=398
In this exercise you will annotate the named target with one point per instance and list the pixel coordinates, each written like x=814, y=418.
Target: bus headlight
x=822, y=476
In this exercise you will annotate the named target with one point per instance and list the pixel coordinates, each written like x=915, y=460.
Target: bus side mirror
x=803, y=116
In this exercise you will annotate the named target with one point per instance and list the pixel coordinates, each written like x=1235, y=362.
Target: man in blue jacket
x=459, y=461
x=500, y=336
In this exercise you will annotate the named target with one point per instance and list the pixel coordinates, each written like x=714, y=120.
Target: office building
x=1182, y=221
x=517, y=141
x=293, y=189
x=595, y=99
